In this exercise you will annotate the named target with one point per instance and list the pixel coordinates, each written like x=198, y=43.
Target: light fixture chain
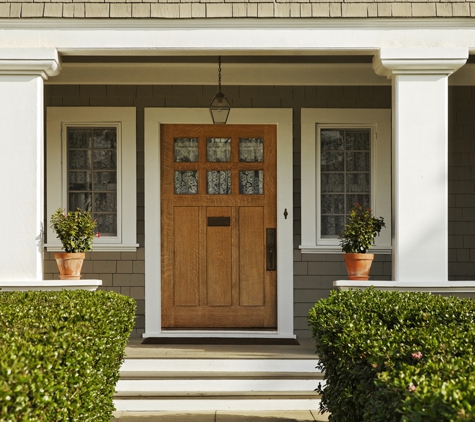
x=219, y=73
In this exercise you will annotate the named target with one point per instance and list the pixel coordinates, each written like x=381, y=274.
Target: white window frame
x=122, y=118
x=379, y=120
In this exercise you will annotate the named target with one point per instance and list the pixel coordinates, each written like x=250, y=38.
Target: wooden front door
x=218, y=201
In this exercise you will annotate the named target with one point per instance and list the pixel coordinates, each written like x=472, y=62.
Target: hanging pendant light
x=220, y=106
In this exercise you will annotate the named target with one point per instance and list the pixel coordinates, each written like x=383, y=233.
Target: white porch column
x=419, y=161
x=22, y=72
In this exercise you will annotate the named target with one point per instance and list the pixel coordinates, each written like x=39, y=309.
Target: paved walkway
x=221, y=416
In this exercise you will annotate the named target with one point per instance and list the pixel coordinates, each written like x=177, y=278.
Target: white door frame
x=154, y=117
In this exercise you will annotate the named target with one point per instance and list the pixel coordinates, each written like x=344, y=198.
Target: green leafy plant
x=60, y=354
x=395, y=356
x=360, y=230
x=74, y=229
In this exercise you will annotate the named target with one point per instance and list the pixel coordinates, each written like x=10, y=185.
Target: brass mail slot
x=219, y=221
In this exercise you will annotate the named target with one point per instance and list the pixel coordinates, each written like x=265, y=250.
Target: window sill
x=337, y=250
x=99, y=248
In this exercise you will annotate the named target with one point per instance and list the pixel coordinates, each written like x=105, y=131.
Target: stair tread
x=210, y=394
x=148, y=375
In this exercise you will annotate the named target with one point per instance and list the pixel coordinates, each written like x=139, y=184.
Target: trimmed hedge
x=60, y=354
x=395, y=356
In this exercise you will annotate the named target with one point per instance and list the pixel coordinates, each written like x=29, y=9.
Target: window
x=345, y=160
x=91, y=165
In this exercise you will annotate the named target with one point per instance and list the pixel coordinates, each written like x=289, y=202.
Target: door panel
x=218, y=187
x=251, y=253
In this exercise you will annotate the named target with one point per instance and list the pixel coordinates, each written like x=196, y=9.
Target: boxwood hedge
x=395, y=356
x=60, y=354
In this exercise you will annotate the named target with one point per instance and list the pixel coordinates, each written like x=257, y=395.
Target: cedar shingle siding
x=186, y=9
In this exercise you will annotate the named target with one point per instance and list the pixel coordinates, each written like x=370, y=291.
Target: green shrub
x=395, y=356
x=60, y=354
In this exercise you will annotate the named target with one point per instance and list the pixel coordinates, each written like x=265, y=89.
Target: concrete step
x=217, y=384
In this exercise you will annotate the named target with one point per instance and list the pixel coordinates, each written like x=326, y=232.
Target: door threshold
x=218, y=334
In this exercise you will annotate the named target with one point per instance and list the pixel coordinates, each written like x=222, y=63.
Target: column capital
x=419, y=61
x=44, y=62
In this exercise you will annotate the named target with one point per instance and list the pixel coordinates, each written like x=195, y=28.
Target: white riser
x=155, y=405
x=178, y=385
x=220, y=365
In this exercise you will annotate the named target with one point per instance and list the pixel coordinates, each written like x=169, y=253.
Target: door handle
x=271, y=252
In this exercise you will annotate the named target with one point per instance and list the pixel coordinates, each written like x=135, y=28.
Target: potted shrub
x=76, y=232
x=358, y=237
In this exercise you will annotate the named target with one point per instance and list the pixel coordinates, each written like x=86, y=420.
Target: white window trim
x=380, y=121
x=58, y=119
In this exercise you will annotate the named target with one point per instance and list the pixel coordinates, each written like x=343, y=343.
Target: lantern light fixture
x=220, y=107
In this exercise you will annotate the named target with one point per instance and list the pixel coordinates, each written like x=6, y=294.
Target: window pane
x=105, y=138
x=94, y=190
x=251, y=182
x=333, y=182
x=363, y=200
x=333, y=161
x=331, y=139
x=332, y=226
x=358, y=139
x=80, y=200
x=251, y=150
x=218, y=150
x=106, y=224
x=105, y=180
x=357, y=161
x=105, y=159
x=186, y=150
x=105, y=202
x=79, y=138
x=333, y=204
x=80, y=180
x=186, y=182
x=357, y=182
x=219, y=182
x=80, y=159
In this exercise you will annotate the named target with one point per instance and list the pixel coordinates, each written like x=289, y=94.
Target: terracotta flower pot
x=69, y=264
x=358, y=265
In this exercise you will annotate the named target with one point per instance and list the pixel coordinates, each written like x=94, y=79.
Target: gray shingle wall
x=462, y=183
x=185, y=9
x=314, y=273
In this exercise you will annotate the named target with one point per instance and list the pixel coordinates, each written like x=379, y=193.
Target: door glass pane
x=218, y=150
x=251, y=182
x=186, y=182
x=219, y=182
x=251, y=150
x=186, y=150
